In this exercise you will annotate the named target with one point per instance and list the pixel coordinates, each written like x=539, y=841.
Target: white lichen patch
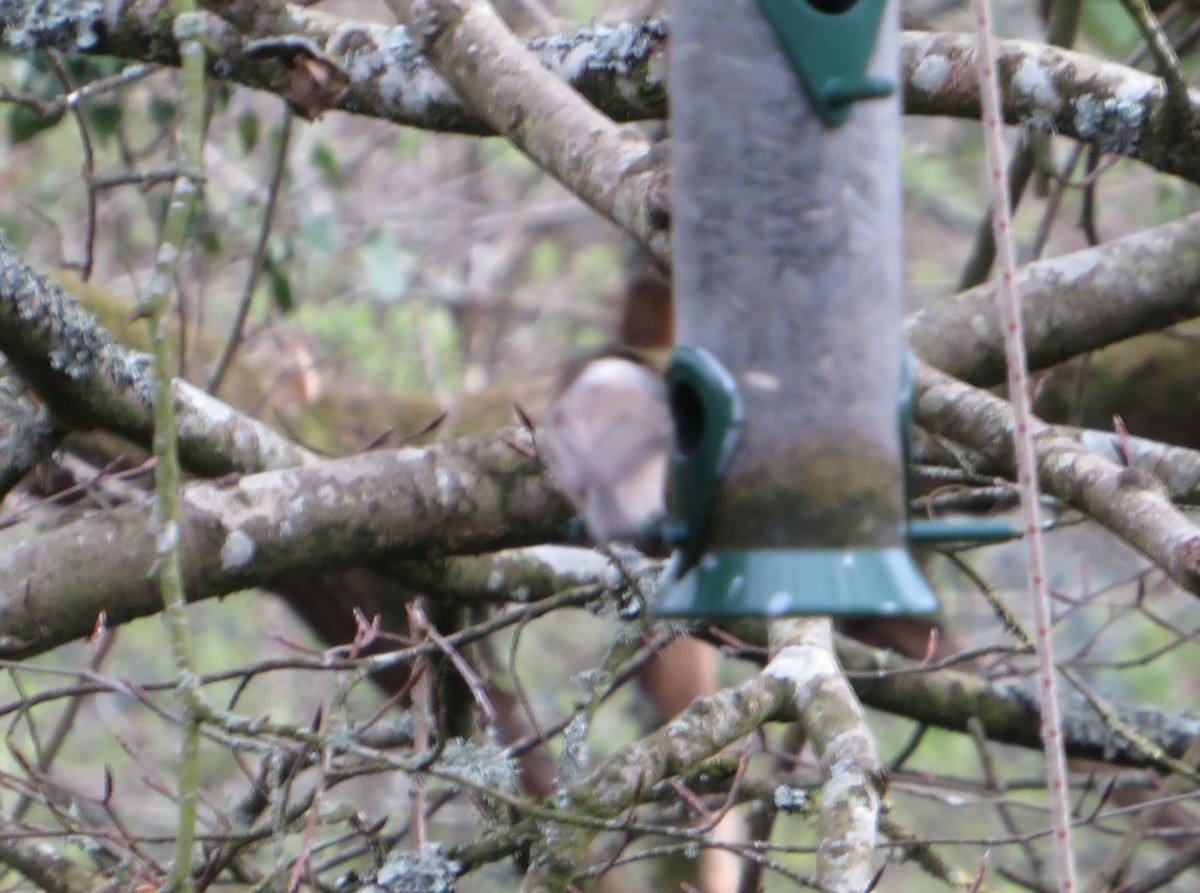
x=50, y=24
x=387, y=57
x=394, y=87
x=1076, y=267
x=801, y=665
x=249, y=505
x=1138, y=87
x=454, y=483
x=237, y=551
x=447, y=485
x=930, y=74
x=424, y=871
x=614, y=47
x=485, y=765
x=572, y=562
x=1102, y=444
x=168, y=538
x=328, y=495
x=576, y=61
x=1115, y=125
x=1032, y=80
x=792, y=799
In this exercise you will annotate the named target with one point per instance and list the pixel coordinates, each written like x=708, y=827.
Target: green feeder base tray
x=780, y=583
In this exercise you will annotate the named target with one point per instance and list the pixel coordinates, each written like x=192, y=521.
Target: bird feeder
x=787, y=478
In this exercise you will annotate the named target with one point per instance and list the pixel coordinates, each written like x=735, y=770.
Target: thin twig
x=237, y=329
x=156, y=307
x=422, y=703
x=89, y=168
x=1027, y=470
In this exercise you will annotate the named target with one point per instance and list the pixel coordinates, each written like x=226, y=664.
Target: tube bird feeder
x=787, y=479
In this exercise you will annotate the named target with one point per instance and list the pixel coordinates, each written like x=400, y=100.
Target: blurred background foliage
x=411, y=274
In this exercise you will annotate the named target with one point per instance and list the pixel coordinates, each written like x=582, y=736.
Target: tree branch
x=620, y=70
x=473, y=495
x=1072, y=304
x=1130, y=502
x=1008, y=710
x=42, y=865
x=699, y=731
x=89, y=380
x=833, y=720
x=611, y=168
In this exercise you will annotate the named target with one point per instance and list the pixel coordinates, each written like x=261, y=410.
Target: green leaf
x=162, y=111
x=104, y=118
x=385, y=266
x=324, y=161
x=321, y=234
x=278, y=284
x=24, y=124
x=248, y=130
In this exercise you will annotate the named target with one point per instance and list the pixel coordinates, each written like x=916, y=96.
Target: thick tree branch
x=1130, y=502
x=1117, y=108
x=474, y=495
x=89, y=380
x=611, y=168
x=620, y=71
x=834, y=723
x=1176, y=468
x=1072, y=304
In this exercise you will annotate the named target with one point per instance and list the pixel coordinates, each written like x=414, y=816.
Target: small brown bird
x=605, y=441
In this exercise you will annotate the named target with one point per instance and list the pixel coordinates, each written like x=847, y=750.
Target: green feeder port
x=708, y=414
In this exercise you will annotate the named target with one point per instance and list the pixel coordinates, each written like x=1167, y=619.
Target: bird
x=606, y=441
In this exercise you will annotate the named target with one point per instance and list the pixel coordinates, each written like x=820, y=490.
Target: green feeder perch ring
x=781, y=582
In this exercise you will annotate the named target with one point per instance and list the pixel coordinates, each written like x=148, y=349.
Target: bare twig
x=89, y=168
x=237, y=328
